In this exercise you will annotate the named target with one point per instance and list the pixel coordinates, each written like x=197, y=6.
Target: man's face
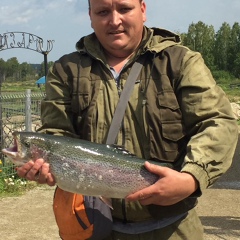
x=118, y=24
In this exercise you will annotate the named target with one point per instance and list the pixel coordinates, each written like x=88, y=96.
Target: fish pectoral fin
x=107, y=201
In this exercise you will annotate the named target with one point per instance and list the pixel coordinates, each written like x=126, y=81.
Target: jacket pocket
x=171, y=120
x=80, y=103
x=80, y=95
x=166, y=127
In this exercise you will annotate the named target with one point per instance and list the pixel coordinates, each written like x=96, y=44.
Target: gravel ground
x=31, y=217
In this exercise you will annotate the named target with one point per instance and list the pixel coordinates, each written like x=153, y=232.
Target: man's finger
x=50, y=180
x=33, y=173
x=23, y=170
x=43, y=174
x=140, y=195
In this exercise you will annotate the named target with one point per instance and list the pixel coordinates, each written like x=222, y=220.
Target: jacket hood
x=154, y=40
x=161, y=39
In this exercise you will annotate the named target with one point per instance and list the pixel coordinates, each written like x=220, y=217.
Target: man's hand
x=171, y=187
x=37, y=171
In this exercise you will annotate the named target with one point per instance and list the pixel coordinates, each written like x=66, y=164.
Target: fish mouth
x=14, y=152
x=11, y=151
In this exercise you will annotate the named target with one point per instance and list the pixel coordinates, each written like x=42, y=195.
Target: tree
x=26, y=69
x=234, y=50
x=201, y=38
x=222, y=46
x=42, y=71
x=2, y=70
x=12, y=67
x=236, y=66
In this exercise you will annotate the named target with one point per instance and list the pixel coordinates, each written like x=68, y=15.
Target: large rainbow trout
x=84, y=167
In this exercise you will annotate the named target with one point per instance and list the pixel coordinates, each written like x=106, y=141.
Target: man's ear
x=89, y=13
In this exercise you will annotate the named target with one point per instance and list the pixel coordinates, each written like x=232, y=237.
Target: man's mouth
x=116, y=32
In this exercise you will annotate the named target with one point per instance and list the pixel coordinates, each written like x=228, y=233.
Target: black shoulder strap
x=122, y=103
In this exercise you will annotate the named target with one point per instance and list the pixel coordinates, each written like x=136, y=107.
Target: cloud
x=18, y=13
x=29, y=10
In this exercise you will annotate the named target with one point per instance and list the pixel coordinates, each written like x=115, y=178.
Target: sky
x=66, y=21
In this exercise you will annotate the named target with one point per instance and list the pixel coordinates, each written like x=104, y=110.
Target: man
x=176, y=114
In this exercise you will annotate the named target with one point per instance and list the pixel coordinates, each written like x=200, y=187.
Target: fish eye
x=27, y=144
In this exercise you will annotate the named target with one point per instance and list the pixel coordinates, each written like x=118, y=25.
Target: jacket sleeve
x=209, y=122
x=56, y=112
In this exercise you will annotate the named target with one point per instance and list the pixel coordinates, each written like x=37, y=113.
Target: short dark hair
x=89, y=2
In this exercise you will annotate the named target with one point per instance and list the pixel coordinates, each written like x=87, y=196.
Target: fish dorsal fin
x=118, y=148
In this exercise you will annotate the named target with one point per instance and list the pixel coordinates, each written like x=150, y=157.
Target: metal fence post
x=28, y=113
x=1, y=117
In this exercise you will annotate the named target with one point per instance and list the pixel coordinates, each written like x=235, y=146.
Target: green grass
x=22, y=86
x=233, y=94
x=10, y=183
x=14, y=186
x=224, y=80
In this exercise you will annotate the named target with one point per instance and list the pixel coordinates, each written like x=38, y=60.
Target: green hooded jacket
x=176, y=113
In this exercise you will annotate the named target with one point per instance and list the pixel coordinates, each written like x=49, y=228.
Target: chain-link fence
x=19, y=112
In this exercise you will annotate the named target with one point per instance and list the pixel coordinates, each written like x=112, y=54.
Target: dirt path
x=30, y=216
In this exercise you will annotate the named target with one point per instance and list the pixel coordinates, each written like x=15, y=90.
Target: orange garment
x=68, y=207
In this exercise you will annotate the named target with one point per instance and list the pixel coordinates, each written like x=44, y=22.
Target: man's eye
x=103, y=13
x=125, y=10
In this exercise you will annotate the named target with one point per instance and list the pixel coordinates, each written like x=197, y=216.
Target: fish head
x=25, y=148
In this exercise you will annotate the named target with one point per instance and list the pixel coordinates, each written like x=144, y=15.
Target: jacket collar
x=154, y=41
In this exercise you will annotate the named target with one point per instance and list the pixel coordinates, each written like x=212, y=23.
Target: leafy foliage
x=220, y=50
x=13, y=71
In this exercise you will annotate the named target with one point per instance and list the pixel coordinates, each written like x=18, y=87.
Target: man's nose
x=115, y=18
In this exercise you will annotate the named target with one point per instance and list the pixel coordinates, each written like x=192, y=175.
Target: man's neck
x=117, y=62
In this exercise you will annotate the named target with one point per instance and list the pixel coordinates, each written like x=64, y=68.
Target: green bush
x=223, y=77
